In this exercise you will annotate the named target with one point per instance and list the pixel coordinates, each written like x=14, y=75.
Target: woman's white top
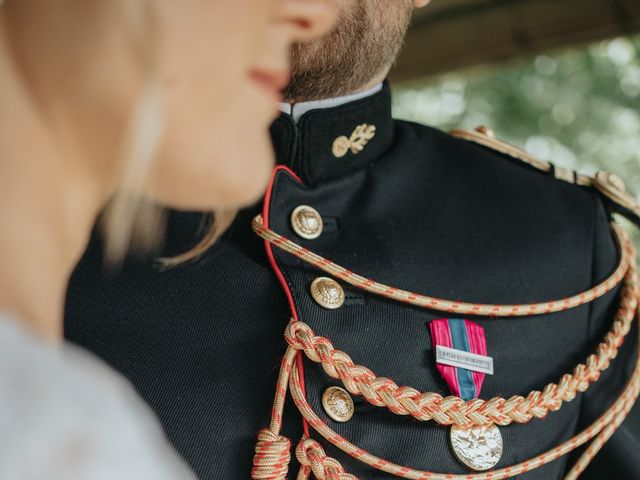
x=66, y=415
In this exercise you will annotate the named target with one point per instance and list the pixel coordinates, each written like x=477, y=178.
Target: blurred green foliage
x=578, y=108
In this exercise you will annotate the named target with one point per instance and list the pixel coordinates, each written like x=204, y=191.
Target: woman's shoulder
x=65, y=414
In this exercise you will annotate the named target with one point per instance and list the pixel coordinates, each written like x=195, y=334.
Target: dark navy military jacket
x=416, y=209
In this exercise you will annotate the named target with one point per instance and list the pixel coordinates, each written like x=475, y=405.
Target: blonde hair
x=221, y=220
x=132, y=221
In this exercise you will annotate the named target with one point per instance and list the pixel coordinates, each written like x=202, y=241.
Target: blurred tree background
x=578, y=108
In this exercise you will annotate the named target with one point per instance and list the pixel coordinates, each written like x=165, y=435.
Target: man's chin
x=358, y=53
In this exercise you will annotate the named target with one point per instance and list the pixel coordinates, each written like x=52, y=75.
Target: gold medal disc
x=479, y=449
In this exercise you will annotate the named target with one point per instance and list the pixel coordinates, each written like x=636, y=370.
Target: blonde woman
x=111, y=100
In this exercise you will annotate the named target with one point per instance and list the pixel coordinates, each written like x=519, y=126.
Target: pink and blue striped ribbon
x=466, y=336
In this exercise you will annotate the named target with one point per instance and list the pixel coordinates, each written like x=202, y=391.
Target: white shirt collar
x=297, y=110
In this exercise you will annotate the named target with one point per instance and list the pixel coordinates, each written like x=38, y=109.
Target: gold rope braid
x=272, y=450
x=601, y=430
x=450, y=306
x=452, y=410
x=313, y=459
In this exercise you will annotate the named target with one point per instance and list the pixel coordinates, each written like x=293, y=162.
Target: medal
x=461, y=359
x=478, y=448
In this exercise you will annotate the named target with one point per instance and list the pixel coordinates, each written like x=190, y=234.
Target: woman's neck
x=45, y=222
x=48, y=204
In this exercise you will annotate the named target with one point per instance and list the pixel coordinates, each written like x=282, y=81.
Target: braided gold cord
x=443, y=305
x=601, y=429
x=273, y=453
x=269, y=461
x=323, y=467
x=452, y=410
x=312, y=458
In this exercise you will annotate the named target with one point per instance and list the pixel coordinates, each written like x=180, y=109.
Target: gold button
x=338, y=404
x=341, y=146
x=307, y=222
x=327, y=292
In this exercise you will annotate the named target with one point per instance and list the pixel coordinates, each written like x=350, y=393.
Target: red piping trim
x=278, y=272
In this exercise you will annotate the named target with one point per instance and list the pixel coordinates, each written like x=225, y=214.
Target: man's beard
x=362, y=47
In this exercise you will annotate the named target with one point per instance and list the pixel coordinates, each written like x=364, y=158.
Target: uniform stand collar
x=330, y=142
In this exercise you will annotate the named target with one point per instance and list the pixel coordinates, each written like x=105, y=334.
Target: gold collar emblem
x=356, y=143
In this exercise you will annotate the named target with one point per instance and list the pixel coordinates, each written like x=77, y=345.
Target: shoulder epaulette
x=609, y=185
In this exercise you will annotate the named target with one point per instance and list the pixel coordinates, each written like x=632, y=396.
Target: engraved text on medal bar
x=461, y=359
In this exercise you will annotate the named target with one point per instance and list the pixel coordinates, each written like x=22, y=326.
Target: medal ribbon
x=465, y=336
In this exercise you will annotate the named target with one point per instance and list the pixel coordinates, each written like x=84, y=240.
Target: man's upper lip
x=272, y=80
